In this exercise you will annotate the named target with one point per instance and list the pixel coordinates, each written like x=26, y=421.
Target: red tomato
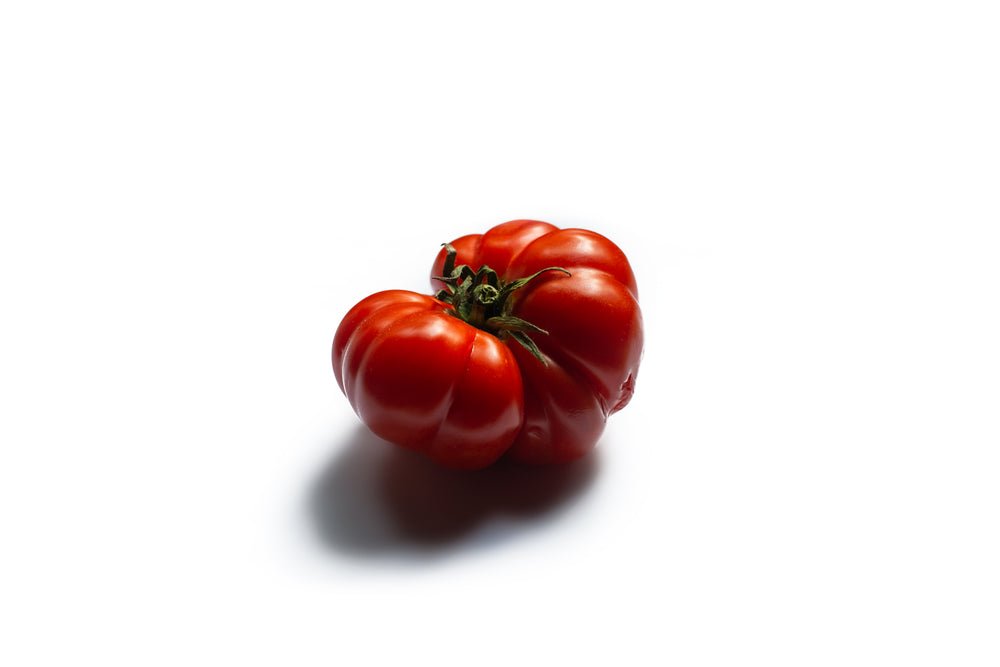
x=495, y=365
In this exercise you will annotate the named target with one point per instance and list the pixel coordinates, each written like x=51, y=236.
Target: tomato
x=532, y=341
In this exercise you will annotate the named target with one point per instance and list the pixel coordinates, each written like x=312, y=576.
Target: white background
x=192, y=194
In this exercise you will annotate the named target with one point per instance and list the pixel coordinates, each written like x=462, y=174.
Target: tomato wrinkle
x=576, y=370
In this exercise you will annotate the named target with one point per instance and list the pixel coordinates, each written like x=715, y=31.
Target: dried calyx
x=482, y=299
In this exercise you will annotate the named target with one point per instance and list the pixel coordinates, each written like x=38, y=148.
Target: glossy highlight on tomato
x=532, y=340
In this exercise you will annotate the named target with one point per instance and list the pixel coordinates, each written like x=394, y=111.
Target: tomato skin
x=594, y=324
x=424, y=379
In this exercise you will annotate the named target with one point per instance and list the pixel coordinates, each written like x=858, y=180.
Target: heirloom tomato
x=531, y=341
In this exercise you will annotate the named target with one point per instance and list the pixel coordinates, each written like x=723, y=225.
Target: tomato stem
x=482, y=299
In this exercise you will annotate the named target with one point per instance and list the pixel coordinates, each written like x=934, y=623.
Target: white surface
x=192, y=194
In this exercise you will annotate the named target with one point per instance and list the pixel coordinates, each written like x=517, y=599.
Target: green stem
x=482, y=298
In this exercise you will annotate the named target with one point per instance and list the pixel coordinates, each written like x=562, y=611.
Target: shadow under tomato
x=374, y=497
